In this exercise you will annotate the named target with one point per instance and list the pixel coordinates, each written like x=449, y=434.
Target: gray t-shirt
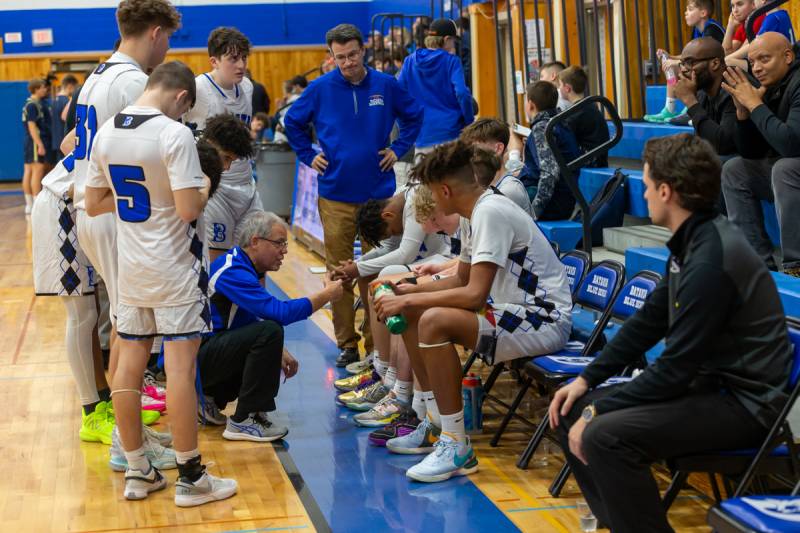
x=513, y=189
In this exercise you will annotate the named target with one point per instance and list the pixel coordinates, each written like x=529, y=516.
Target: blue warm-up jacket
x=353, y=123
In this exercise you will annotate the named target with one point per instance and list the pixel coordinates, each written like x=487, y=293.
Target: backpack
x=607, y=208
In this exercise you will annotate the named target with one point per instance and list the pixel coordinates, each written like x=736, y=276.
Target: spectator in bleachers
x=776, y=20
x=588, y=124
x=768, y=141
x=398, y=57
x=699, y=87
x=259, y=128
x=551, y=197
x=549, y=72
x=698, y=17
x=735, y=34
x=260, y=95
x=353, y=110
x=436, y=79
x=295, y=87
x=721, y=379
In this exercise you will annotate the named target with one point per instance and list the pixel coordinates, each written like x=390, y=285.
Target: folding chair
x=577, y=263
x=748, y=514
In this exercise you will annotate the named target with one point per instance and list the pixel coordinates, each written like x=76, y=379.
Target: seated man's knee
x=732, y=170
x=786, y=175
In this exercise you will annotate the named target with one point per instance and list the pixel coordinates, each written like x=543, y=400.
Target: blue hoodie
x=436, y=78
x=353, y=123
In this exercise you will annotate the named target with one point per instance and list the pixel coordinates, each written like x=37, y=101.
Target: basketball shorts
x=31, y=155
x=60, y=266
x=98, y=236
x=225, y=211
x=510, y=331
x=174, y=323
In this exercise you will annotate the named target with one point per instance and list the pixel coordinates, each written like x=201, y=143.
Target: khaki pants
x=339, y=230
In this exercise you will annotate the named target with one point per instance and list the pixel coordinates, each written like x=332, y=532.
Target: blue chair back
x=632, y=296
x=577, y=263
x=601, y=285
x=794, y=337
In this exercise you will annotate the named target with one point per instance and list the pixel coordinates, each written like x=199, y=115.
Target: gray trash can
x=275, y=168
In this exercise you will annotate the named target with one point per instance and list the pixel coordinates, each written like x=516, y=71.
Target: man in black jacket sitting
x=724, y=371
x=768, y=140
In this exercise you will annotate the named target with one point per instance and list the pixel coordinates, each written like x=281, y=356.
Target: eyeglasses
x=281, y=244
x=690, y=62
x=352, y=56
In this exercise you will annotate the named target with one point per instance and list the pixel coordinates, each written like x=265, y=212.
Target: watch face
x=588, y=413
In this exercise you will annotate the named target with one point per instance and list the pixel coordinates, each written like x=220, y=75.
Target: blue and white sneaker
x=449, y=458
x=421, y=440
x=161, y=457
x=256, y=427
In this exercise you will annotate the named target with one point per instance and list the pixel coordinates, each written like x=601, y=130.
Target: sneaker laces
x=262, y=420
x=443, y=446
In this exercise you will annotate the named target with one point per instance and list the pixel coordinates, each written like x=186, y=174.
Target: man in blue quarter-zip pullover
x=244, y=356
x=353, y=109
x=434, y=75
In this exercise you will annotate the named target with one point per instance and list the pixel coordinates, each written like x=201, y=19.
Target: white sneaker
x=28, y=209
x=257, y=428
x=360, y=366
x=163, y=438
x=161, y=457
x=449, y=458
x=206, y=489
x=139, y=484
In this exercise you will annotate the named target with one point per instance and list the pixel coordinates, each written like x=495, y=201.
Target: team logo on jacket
x=376, y=99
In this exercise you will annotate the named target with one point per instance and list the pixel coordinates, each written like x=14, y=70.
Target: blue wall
x=12, y=97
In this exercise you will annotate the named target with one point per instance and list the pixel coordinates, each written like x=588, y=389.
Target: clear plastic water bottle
x=396, y=324
x=472, y=392
x=514, y=163
x=670, y=73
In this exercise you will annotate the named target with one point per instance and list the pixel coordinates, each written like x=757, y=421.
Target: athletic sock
x=433, y=409
x=418, y=405
x=402, y=390
x=453, y=425
x=137, y=460
x=28, y=200
x=390, y=377
x=90, y=407
x=105, y=394
x=380, y=366
x=671, y=103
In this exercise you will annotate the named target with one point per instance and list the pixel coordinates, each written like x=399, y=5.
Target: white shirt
x=213, y=100
x=58, y=180
x=143, y=156
x=113, y=85
x=530, y=274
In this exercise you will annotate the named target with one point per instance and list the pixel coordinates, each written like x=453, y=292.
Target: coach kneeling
x=244, y=356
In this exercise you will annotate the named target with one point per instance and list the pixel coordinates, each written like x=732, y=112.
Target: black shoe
x=681, y=120
x=347, y=356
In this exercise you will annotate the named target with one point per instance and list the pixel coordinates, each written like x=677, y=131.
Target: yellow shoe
x=148, y=417
x=352, y=382
x=97, y=426
x=358, y=392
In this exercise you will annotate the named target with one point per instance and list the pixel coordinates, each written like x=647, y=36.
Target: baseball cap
x=443, y=28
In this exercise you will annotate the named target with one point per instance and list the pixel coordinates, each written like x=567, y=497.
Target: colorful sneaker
x=139, y=484
x=209, y=413
x=255, y=427
x=206, y=489
x=151, y=404
x=403, y=425
x=153, y=389
x=347, y=397
x=449, y=458
x=148, y=417
x=370, y=398
x=96, y=426
x=384, y=412
x=421, y=440
x=352, y=382
x=660, y=117
x=360, y=366
x=161, y=457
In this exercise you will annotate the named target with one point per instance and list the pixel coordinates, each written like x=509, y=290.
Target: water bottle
x=396, y=324
x=514, y=163
x=472, y=392
x=672, y=77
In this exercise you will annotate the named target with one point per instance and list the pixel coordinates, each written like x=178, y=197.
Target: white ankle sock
x=402, y=390
x=418, y=404
x=184, y=457
x=453, y=425
x=671, y=103
x=28, y=200
x=390, y=377
x=433, y=409
x=380, y=366
x=137, y=460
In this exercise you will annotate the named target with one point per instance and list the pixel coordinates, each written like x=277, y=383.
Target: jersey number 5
x=133, y=198
x=85, y=129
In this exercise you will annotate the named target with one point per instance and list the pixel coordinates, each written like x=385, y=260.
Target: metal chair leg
x=470, y=361
x=510, y=414
x=496, y=371
x=560, y=480
x=525, y=457
x=715, y=487
x=675, y=486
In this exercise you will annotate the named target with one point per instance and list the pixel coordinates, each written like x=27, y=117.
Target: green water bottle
x=396, y=324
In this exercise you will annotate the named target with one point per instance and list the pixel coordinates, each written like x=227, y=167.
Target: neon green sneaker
x=663, y=116
x=148, y=417
x=97, y=426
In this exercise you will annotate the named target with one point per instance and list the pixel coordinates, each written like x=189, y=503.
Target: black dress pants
x=243, y=363
x=621, y=446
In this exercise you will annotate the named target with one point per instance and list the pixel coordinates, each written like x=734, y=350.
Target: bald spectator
x=768, y=140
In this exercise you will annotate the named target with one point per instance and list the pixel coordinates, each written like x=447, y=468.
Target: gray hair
x=258, y=224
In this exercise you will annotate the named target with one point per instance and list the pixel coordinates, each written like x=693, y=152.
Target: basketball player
x=226, y=89
x=146, y=167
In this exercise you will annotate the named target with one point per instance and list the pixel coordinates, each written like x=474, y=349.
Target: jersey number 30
x=133, y=198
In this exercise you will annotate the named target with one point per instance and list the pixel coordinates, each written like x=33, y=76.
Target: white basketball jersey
x=143, y=156
x=113, y=85
x=213, y=100
x=58, y=180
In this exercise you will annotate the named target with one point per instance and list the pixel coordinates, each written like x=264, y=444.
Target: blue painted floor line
x=17, y=192
x=354, y=484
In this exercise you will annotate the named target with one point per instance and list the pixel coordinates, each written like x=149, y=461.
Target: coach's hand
x=289, y=365
x=564, y=399
x=320, y=163
x=389, y=159
x=334, y=287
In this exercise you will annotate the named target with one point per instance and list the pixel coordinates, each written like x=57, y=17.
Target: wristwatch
x=589, y=412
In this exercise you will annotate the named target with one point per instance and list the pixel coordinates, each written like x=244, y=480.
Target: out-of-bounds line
x=557, y=507
x=287, y=528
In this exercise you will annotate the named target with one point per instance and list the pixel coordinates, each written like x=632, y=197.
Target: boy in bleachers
x=698, y=16
x=493, y=135
x=776, y=20
x=551, y=198
x=549, y=73
x=589, y=125
x=505, y=259
x=735, y=34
